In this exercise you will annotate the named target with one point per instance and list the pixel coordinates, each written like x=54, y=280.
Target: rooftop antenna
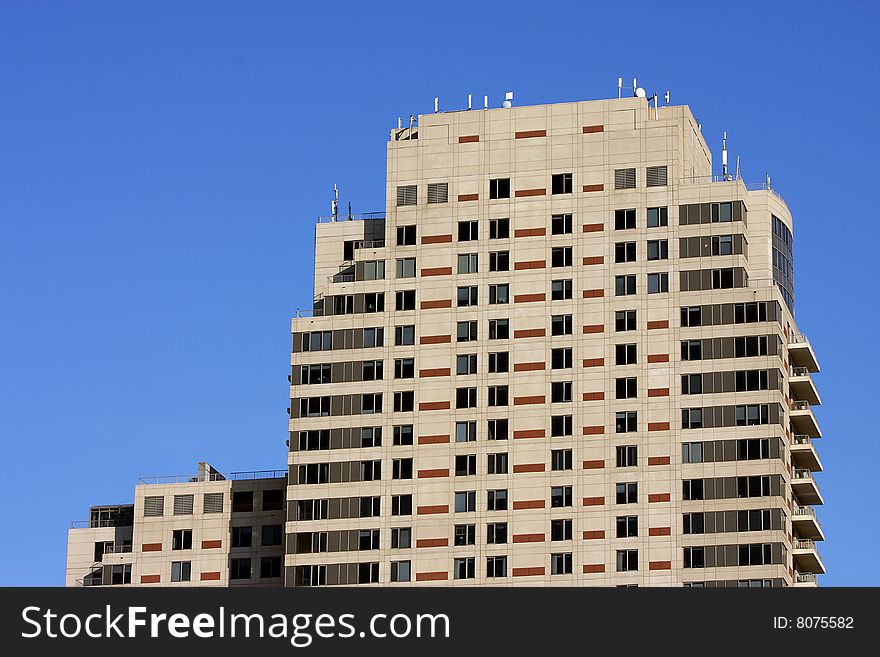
x=412, y=120
x=635, y=86
x=399, y=123
x=334, y=204
x=436, y=104
x=767, y=175
x=508, y=100
x=349, y=211
x=470, y=104
x=724, y=175
x=619, y=87
x=485, y=102
x=738, y=174
x=667, y=96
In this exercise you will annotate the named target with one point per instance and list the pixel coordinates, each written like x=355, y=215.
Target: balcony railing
x=363, y=216
x=216, y=476
x=805, y=511
x=803, y=474
x=804, y=544
x=798, y=338
x=800, y=405
x=805, y=577
x=800, y=439
x=117, y=548
x=800, y=371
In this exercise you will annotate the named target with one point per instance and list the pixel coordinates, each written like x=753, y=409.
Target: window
x=496, y=500
x=750, y=449
x=658, y=217
x=499, y=261
x=692, y=418
x=627, y=456
x=561, y=459
x=463, y=568
x=757, y=486
x=182, y=539
x=466, y=364
x=627, y=526
x=371, y=470
x=625, y=320
x=624, y=285
x=465, y=465
x=499, y=329
x=467, y=296
x=560, y=496
x=499, y=188
x=465, y=501
x=750, y=345
x=498, y=395
x=655, y=176
x=627, y=560
x=658, y=283
x=692, y=316
x=626, y=388
x=560, y=183
x=402, y=469
x=467, y=263
x=692, y=452
x=406, y=236
x=692, y=350
x=722, y=212
x=496, y=533
x=560, y=563
x=371, y=403
x=560, y=325
x=658, y=249
x=747, y=380
x=242, y=501
x=369, y=507
x=499, y=362
x=438, y=192
x=694, y=557
x=560, y=289
x=692, y=489
x=401, y=505
x=625, y=219
x=497, y=463
x=271, y=534
x=242, y=537
x=370, y=436
x=401, y=538
x=753, y=521
x=403, y=434
x=466, y=398
x=625, y=252
x=497, y=429
x=183, y=505
x=404, y=368
x=560, y=391
x=749, y=312
x=627, y=493
x=317, y=341
x=499, y=229
x=757, y=554
x=560, y=224
x=465, y=535
x=375, y=337
x=181, y=571
x=722, y=245
x=368, y=573
x=560, y=530
x=270, y=567
x=752, y=414
x=561, y=358
x=560, y=425
x=154, y=506
x=401, y=571
x=407, y=194
x=406, y=268
x=625, y=354
x=722, y=279
x=466, y=432
x=314, y=440
x=625, y=422
x=694, y=523
x=499, y=293
x=467, y=231
x=371, y=370
x=405, y=300
x=315, y=374
x=212, y=503
x=466, y=331
x=624, y=178
x=120, y=574
x=496, y=566
x=374, y=270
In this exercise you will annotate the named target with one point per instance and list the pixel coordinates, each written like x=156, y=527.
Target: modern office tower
x=201, y=530
x=565, y=354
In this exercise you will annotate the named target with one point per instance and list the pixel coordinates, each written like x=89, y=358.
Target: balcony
x=801, y=353
x=806, y=580
x=801, y=386
x=806, y=557
x=803, y=421
x=805, y=487
x=806, y=524
x=804, y=454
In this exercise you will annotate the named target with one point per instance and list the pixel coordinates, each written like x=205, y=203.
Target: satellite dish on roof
x=641, y=93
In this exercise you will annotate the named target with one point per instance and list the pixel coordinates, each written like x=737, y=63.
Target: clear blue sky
x=162, y=164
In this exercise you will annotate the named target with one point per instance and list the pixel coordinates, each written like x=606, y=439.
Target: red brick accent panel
x=594, y=396
x=594, y=362
x=658, y=460
x=590, y=568
x=468, y=139
x=659, y=324
x=526, y=134
x=434, y=474
x=435, y=339
x=209, y=545
x=528, y=538
x=432, y=577
x=594, y=501
x=594, y=228
x=658, y=497
x=436, y=239
x=529, y=298
x=594, y=464
x=434, y=406
x=660, y=531
x=658, y=426
x=594, y=328
x=528, y=572
x=528, y=433
x=525, y=401
x=658, y=392
x=594, y=188
x=530, y=333
x=437, y=271
x=660, y=565
x=594, y=260
x=433, y=440
x=438, y=371
x=212, y=576
x=151, y=547
x=462, y=198
x=150, y=579
x=529, y=367
x=439, y=303
x=593, y=294
x=658, y=358
x=593, y=128
x=528, y=467
x=529, y=264
x=432, y=542
x=525, y=193
x=528, y=504
x=594, y=534
x=593, y=431
x=432, y=510
x=530, y=232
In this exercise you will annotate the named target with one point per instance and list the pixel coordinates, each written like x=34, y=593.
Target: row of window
x=242, y=501
x=239, y=569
